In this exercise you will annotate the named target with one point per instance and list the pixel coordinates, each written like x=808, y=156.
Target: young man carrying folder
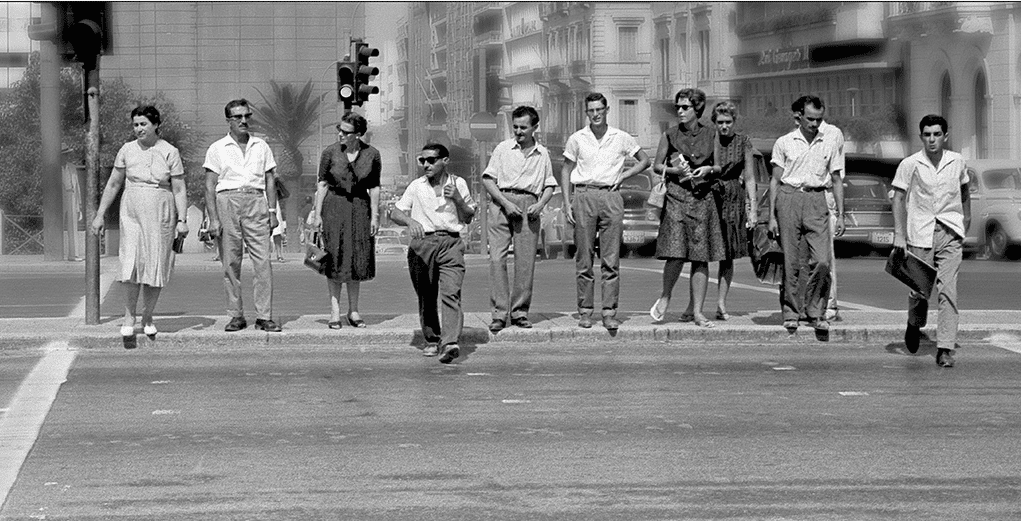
x=931, y=212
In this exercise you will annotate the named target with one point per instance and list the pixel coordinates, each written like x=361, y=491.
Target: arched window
x=945, y=108
x=981, y=117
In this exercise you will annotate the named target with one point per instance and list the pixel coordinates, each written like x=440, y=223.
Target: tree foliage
x=20, y=135
x=288, y=118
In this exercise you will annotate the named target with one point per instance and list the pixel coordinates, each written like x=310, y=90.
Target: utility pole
x=49, y=126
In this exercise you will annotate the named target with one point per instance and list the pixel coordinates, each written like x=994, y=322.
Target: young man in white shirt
x=931, y=214
x=437, y=208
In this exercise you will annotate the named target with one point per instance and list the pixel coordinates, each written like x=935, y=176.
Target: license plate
x=634, y=237
x=881, y=237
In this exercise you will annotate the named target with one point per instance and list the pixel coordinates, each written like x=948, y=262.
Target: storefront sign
x=784, y=59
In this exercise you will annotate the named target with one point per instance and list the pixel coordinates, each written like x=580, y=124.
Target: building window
x=981, y=117
x=627, y=40
x=664, y=64
x=628, y=116
x=703, y=55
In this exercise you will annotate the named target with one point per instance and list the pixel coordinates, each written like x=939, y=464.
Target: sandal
x=355, y=322
x=334, y=324
x=657, y=312
x=722, y=315
x=701, y=321
x=687, y=317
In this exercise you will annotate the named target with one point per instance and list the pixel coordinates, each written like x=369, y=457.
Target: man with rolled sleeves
x=807, y=162
x=240, y=190
x=591, y=176
x=520, y=181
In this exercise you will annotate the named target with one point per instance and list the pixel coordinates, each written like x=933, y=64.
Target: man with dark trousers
x=520, y=181
x=807, y=162
x=436, y=208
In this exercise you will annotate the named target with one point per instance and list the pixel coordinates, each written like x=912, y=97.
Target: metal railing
x=21, y=234
x=901, y=8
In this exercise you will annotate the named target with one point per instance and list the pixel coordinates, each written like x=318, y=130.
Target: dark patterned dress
x=731, y=194
x=347, y=212
x=689, y=227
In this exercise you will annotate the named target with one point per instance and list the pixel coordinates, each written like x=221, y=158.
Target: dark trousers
x=436, y=265
x=523, y=232
x=804, y=220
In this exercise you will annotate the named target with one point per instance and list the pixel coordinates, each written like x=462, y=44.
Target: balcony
x=581, y=68
x=488, y=8
x=490, y=39
x=902, y=8
x=914, y=19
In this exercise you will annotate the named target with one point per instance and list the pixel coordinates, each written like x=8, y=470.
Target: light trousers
x=244, y=217
x=602, y=212
x=523, y=232
x=945, y=254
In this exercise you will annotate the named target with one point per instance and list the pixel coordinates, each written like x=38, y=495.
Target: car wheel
x=569, y=251
x=997, y=242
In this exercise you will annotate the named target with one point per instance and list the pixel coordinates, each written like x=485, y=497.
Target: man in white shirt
x=807, y=162
x=437, y=208
x=591, y=176
x=240, y=190
x=931, y=214
x=520, y=181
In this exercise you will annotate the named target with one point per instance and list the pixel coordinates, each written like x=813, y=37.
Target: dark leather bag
x=315, y=255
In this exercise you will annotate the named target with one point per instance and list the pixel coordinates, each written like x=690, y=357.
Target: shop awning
x=811, y=71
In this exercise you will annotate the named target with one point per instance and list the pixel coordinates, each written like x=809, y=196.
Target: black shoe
x=267, y=325
x=355, y=322
x=944, y=358
x=611, y=323
x=912, y=335
x=450, y=353
x=522, y=322
x=497, y=325
x=236, y=324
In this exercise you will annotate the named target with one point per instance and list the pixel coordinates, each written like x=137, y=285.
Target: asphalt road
x=196, y=289
x=558, y=431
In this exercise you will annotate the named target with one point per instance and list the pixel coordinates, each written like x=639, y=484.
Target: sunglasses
x=345, y=133
x=682, y=107
x=430, y=160
x=239, y=117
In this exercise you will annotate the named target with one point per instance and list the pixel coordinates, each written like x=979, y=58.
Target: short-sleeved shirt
x=237, y=167
x=810, y=165
x=513, y=170
x=151, y=167
x=433, y=211
x=932, y=193
x=599, y=161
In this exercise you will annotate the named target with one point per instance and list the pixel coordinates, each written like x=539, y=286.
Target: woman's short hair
x=725, y=108
x=695, y=96
x=148, y=112
x=357, y=121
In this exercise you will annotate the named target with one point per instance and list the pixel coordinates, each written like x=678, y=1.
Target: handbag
x=315, y=255
x=657, y=197
x=766, y=255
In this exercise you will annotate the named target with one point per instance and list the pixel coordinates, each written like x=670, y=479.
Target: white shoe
x=128, y=331
x=149, y=330
x=658, y=311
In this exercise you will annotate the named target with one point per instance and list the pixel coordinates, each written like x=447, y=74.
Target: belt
x=517, y=191
x=443, y=233
x=806, y=188
x=584, y=188
x=243, y=191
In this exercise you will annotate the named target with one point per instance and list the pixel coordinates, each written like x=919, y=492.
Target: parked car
x=641, y=221
x=556, y=235
x=995, y=188
x=868, y=206
x=398, y=232
x=390, y=245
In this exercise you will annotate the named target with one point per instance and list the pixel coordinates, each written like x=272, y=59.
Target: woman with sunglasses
x=689, y=227
x=347, y=209
x=152, y=216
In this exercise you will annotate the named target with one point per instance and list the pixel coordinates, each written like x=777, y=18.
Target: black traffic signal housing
x=81, y=32
x=365, y=72
x=347, y=91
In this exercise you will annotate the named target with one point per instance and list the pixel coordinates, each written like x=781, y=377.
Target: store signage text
x=789, y=58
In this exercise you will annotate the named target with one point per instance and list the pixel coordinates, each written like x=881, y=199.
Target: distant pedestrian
x=279, y=233
x=437, y=208
x=347, y=208
x=591, y=176
x=932, y=213
x=689, y=227
x=520, y=182
x=735, y=157
x=807, y=162
x=153, y=214
x=240, y=190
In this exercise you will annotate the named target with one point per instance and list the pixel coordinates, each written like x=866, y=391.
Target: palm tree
x=288, y=118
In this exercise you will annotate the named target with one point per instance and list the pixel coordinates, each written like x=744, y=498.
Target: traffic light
x=365, y=72
x=346, y=90
x=81, y=32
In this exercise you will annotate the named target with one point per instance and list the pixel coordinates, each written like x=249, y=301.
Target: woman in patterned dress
x=152, y=215
x=735, y=156
x=689, y=228
x=347, y=208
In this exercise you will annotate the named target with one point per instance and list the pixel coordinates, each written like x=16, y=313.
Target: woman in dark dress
x=689, y=228
x=735, y=157
x=347, y=208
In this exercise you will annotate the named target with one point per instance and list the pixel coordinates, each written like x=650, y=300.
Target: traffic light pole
x=49, y=126
x=92, y=199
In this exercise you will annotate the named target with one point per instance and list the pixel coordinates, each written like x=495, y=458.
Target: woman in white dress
x=152, y=216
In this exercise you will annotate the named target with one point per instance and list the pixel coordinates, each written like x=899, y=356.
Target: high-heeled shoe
x=128, y=337
x=335, y=324
x=128, y=331
x=355, y=322
x=150, y=331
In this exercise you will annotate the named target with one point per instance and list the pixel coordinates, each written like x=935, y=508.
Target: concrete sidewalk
x=401, y=331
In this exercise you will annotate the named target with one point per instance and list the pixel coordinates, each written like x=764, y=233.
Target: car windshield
x=865, y=187
x=1002, y=179
x=638, y=182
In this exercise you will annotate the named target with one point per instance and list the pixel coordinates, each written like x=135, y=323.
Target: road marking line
x=105, y=281
x=771, y=289
x=1006, y=341
x=20, y=426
